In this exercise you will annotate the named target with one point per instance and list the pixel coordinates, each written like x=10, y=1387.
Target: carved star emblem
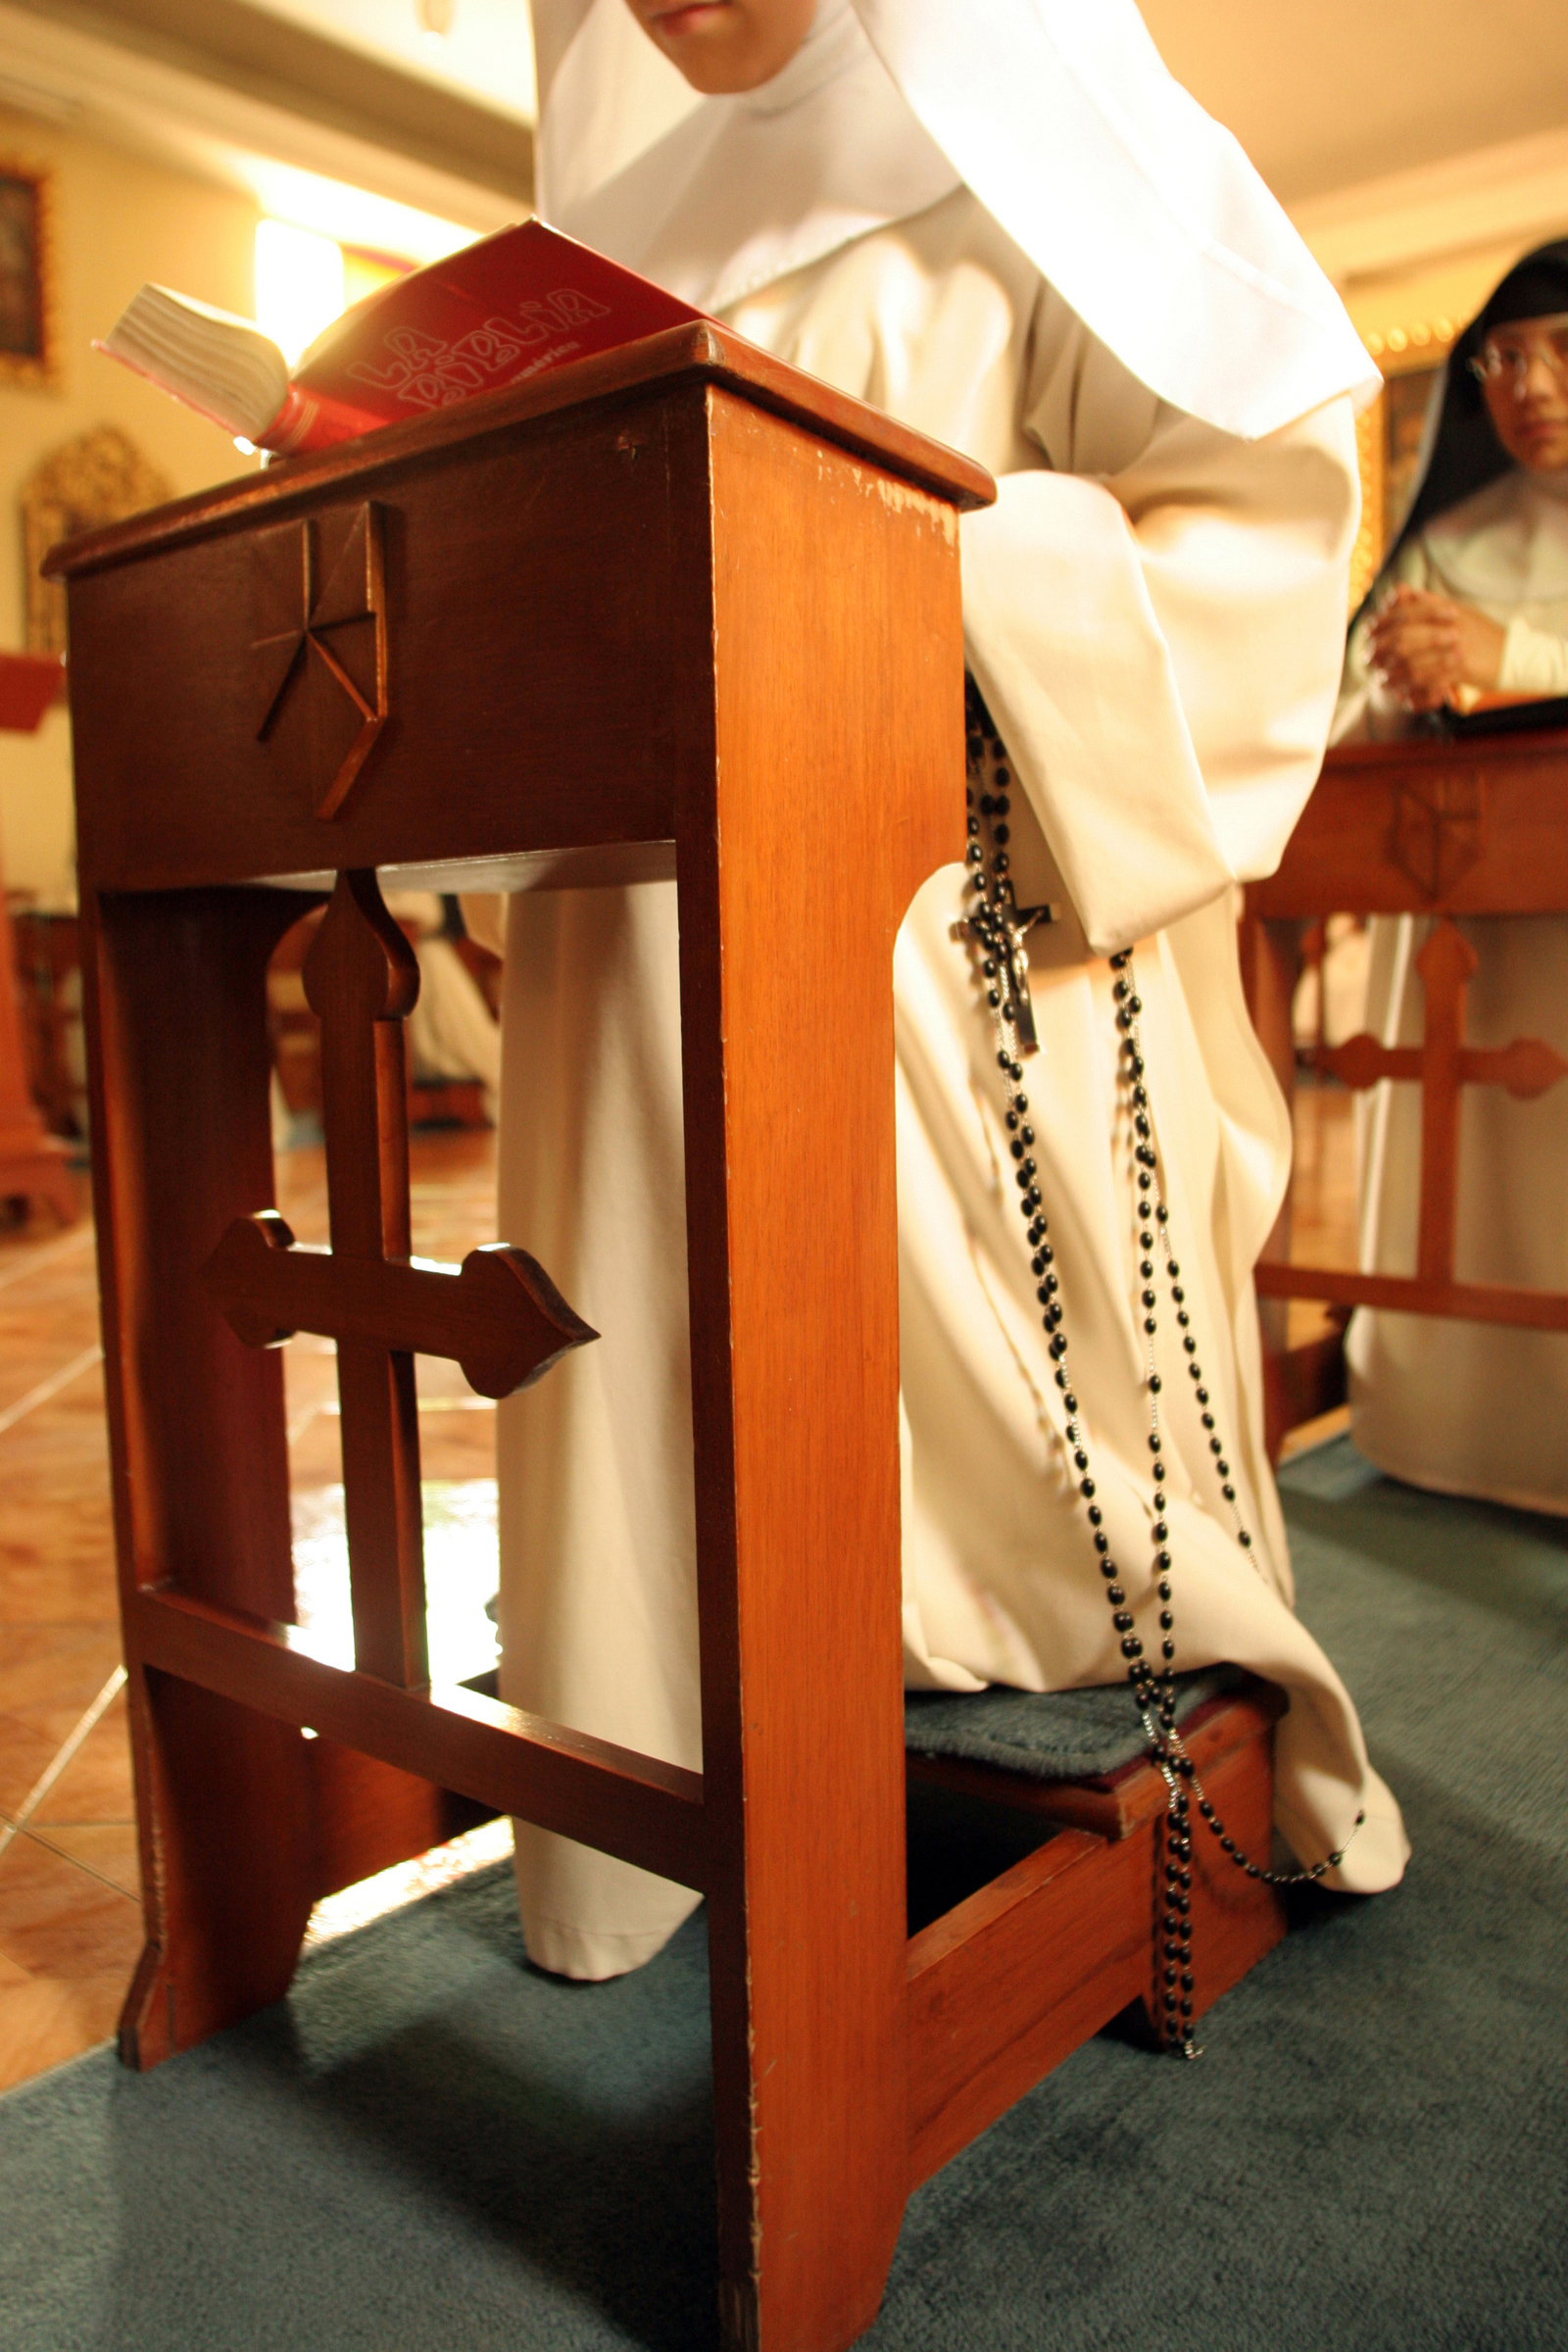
x=319, y=655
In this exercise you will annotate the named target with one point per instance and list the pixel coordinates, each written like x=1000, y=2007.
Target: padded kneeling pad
x=1050, y=1734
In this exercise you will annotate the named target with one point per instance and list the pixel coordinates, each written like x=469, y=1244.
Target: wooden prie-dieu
x=1450, y=831
x=674, y=610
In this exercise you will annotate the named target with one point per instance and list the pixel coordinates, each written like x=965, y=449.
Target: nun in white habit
x=1007, y=227
x=1473, y=597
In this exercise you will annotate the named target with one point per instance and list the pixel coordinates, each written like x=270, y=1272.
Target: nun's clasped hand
x=1425, y=647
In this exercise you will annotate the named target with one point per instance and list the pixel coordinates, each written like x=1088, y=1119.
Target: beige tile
x=66, y=1440
x=29, y=1251
x=26, y=1750
x=57, y=1564
x=104, y=1850
x=439, y=1381
x=57, y=1921
x=44, y=2024
x=95, y=1787
x=28, y=1362
x=58, y=1668
x=65, y=1437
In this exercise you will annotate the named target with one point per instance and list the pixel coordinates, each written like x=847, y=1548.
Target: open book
x=511, y=306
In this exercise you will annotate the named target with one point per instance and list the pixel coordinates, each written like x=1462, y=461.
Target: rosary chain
x=1153, y=1691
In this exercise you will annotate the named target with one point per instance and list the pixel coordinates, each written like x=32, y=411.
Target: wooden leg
x=797, y=1466
x=178, y=1047
x=793, y=1266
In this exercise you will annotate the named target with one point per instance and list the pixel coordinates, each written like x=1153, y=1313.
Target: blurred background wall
x=115, y=220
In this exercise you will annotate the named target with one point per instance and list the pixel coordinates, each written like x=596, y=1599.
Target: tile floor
x=70, y=1901
x=70, y=1915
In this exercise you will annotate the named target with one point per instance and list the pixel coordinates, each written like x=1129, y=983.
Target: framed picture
x=1388, y=438
x=26, y=286
x=1405, y=396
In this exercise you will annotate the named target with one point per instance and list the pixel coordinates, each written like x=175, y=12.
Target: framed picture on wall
x=26, y=287
x=1406, y=395
x=1388, y=437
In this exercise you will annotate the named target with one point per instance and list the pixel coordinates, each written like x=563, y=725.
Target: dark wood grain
x=1005, y=1985
x=368, y=1816
x=1466, y=1301
x=360, y=979
x=319, y=656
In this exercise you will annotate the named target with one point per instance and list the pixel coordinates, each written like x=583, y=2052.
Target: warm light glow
x=354, y=216
x=299, y=284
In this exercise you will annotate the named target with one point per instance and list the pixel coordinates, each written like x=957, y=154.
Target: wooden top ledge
x=703, y=352
x=1440, y=755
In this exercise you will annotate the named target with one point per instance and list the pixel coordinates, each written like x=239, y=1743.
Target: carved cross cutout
x=1442, y=1065
x=319, y=656
x=499, y=1315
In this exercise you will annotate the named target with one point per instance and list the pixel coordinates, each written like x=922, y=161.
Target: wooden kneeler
x=674, y=610
x=1012, y=1980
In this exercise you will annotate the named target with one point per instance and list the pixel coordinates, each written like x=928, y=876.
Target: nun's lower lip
x=678, y=21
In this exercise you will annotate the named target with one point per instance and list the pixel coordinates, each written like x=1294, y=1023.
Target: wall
x=118, y=221
x=1447, y=288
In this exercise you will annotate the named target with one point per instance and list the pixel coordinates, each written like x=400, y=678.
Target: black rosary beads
x=996, y=934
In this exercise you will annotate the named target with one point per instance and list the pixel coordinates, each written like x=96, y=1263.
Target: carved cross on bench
x=498, y=1316
x=1442, y=1065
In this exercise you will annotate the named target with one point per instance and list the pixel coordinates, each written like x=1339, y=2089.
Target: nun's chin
x=1541, y=449
x=725, y=46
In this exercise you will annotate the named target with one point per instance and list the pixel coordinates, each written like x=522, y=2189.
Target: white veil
x=1059, y=115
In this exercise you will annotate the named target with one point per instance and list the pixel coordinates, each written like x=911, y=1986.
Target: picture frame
x=1388, y=437
x=28, y=328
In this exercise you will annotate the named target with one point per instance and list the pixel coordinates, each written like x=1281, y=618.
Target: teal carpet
x=430, y=2146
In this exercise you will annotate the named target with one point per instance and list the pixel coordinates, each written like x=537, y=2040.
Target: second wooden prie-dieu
x=372, y=659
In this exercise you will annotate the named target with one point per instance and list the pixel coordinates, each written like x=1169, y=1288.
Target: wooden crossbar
x=1008, y=1983
x=633, y=1806
x=498, y=1316
x=1469, y=1301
